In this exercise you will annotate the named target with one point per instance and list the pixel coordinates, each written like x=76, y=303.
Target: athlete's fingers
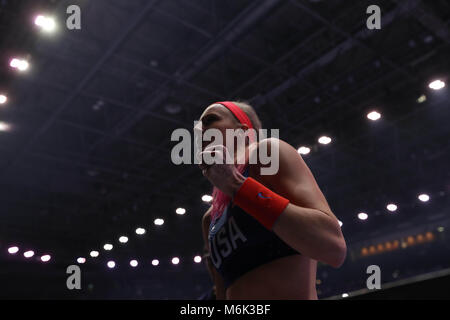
x=221, y=151
x=212, y=157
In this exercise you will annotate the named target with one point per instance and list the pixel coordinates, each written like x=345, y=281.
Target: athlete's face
x=216, y=116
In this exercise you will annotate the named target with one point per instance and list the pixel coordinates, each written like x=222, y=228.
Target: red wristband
x=260, y=202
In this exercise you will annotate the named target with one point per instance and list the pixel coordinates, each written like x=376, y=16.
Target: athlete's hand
x=222, y=173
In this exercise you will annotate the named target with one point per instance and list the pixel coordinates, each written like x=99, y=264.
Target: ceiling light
x=28, y=254
x=46, y=258
x=422, y=99
x=46, y=23
x=13, y=250
x=362, y=216
x=19, y=64
x=324, y=140
x=123, y=239
x=304, y=150
x=81, y=260
x=134, y=263
x=3, y=99
x=206, y=198
x=180, y=211
x=94, y=254
x=437, y=84
x=4, y=126
x=391, y=207
x=140, y=231
x=373, y=116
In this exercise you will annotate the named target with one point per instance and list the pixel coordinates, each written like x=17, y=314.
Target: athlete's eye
x=209, y=119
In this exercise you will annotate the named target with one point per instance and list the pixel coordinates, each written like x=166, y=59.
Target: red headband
x=241, y=115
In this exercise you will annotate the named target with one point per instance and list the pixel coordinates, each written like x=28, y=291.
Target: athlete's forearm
x=313, y=233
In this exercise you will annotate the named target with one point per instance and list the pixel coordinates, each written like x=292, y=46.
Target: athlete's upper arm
x=294, y=179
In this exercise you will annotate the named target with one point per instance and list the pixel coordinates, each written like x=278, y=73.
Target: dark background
x=87, y=158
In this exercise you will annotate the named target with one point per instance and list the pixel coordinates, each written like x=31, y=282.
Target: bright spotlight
x=19, y=64
x=28, y=254
x=39, y=20
x=111, y=264
x=14, y=63
x=159, y=222
x=23, y=65
x=424, y=197
x=391, y=207
x=422, y=99
x=46, y=258
x=140, y=231
x=362, y=216
x=4, y=126
x=46, y=23
x=81, y=260
x=123, y=239
x=94, y=254
x=175, y=260
x=180, y=211
x=197, y=259
x=155, y=262
x=373, y=116
x=207, y=198
x=304, y=150
x=13, y=250
x=3, y=99
x=344, y=295
x=108, y=247
x=134, y=263
x=324, y=140
x=437, y=84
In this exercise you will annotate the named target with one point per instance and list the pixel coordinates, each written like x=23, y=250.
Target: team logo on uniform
x=225, y=241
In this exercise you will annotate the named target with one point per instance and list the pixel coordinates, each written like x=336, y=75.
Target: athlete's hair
x=250, y=112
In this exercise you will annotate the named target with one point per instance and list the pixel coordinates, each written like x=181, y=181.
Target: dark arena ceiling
x=85, y=133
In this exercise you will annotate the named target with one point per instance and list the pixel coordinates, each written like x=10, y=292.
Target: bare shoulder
x=294, y=180
x=271, y=145
x=277, y=150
